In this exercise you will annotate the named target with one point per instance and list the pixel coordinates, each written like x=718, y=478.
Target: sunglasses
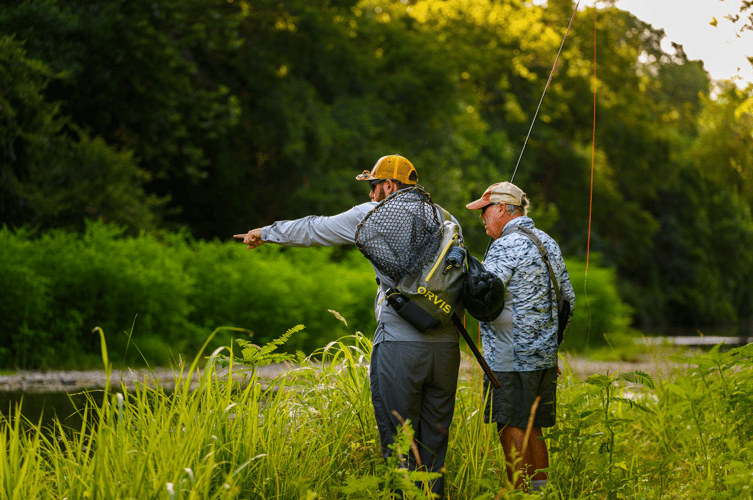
x=375, y=183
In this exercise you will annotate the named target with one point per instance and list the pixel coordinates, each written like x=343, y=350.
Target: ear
x=390, y=187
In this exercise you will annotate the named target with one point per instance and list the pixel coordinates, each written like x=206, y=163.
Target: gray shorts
x=511, y=403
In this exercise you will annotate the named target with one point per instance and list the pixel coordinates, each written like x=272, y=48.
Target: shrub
x=599, y=310
x=269, y=289
x=25, y=305
x=162, y=296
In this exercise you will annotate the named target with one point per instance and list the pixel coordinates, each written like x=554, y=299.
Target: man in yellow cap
x=521, y=344
x=413, y=375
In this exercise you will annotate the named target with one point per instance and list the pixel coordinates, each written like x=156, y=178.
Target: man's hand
x=252, y=238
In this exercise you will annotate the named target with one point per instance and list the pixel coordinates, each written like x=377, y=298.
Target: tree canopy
x=222, y=115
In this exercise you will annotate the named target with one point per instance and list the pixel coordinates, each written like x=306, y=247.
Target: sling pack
x=405, y=240
x=563, y=305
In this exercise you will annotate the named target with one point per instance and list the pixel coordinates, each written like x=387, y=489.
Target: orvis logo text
x=435, y=300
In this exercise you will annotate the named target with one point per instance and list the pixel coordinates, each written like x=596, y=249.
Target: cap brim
x=478, y=204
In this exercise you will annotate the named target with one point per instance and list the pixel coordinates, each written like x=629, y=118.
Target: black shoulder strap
x=515, y=228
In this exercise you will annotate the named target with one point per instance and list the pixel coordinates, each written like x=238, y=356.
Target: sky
x=687, y=22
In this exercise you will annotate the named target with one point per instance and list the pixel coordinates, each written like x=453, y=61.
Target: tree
x=701, y=271
x=326, y=88
x=724, y=149
x=500, y=55
x=745, y=16
x=136, y=74
x=53, y=175
x=28, y=124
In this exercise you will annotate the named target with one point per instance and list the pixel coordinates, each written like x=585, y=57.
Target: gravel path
x=72, y=381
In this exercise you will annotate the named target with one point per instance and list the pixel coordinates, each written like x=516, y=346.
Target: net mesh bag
x=401, y=234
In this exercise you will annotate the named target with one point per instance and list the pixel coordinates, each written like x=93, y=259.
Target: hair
x=521, y=209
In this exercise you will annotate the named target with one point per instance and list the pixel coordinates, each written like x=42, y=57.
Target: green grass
x=311, y=434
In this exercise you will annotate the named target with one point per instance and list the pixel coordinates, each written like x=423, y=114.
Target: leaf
x=254, y=355
x=634, y=404
x=599, y=380
x=676, y=389
x=638, y=377
x=621, y=465
x=362, y=485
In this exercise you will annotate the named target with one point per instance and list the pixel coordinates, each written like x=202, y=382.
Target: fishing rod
x=536, y=114
x=551, y=74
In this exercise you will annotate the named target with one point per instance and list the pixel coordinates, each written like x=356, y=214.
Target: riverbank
x=74, y=380
x=77, y=380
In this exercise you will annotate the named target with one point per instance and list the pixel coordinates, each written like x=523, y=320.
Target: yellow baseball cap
x=393, y=167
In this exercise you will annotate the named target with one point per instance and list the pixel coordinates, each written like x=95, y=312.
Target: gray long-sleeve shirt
x=340, y=229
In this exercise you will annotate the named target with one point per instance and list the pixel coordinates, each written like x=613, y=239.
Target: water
x=44, y=407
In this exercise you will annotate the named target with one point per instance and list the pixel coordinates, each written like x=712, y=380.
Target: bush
x=94, y=279
x=271, y=288
x=25, y=306
x=599, y=310
x=162, y=296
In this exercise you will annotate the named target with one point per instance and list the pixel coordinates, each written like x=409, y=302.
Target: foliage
x=701, y=271
x=253, y=356
x=54, y=175
x=327, y=88
x=263, y=289
x=105, y=185
x=310, y=434
x=97, y=279
x=631, y=435
x=726, y=122
x=744, y=16
x=28, y=124
x=135, y=72
x=599, y=309
x=164, y=295
x=219, y=116
x=391, y=476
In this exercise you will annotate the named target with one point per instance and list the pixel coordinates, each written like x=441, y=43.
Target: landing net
x=401, y=235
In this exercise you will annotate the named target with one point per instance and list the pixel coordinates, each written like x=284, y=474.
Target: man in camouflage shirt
x=521, y=344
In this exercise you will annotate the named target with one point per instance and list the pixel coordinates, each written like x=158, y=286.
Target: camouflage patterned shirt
x=524, y=336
